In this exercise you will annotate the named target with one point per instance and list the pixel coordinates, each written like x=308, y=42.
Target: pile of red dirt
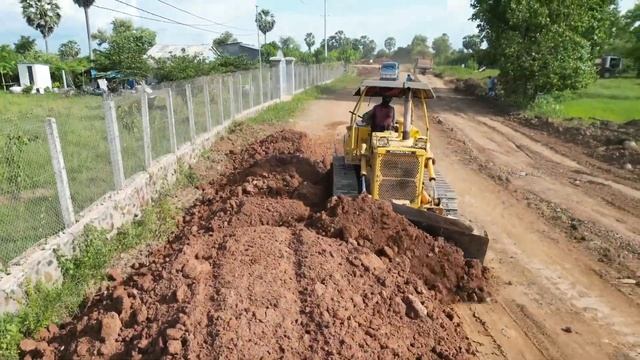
x=374, y=225
x=262, y=268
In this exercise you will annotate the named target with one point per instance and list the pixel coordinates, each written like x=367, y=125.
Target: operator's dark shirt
x=383, y=118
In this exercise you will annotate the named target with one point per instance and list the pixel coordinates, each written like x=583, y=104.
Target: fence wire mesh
x=181, y=112
x=129, y=117
x=86, y=155
x=199, y=105
x=29, y=207
x=158, y=102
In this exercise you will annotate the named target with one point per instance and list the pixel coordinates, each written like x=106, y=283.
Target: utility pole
x=325, y=28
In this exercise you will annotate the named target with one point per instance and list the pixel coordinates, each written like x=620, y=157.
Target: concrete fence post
x=207, y=104
x=280, y=76
x=269, y=88
x=290, y=75
x=146, y=129
x=232, y=105
x=240, y=94
x=60, y=171
x=260, y=85
x=172, y=122
x=220, y=100
x=192, y=120
x=113, y=136
x=250, y=89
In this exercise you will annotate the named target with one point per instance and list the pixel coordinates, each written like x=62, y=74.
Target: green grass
x=285, y=110
x=615, y=99
x=459, y=72
x=30, y=212
x=44, y=305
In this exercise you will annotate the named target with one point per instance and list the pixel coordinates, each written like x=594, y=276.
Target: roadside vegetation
x=95, y=252
x=82, y=272
x=607, y=99
x=287, y=109
x=459, y=72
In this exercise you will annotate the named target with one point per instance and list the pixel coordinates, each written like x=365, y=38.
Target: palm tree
x=266, y=21
x=309, y=40
x=86, y=4
x=42, y=15
x=390, y=44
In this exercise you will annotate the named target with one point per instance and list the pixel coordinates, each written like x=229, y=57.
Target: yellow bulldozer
x=397, y=165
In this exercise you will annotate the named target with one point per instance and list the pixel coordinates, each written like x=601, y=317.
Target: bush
x=27, y=89
x=545, y=105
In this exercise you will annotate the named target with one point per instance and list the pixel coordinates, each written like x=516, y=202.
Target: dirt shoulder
x=564, y=235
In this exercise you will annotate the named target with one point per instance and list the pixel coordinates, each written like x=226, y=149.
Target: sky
x=378, y=19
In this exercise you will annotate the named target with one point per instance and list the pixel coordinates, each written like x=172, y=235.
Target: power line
x=139, y=16
x=200, y=17
x=168, y=19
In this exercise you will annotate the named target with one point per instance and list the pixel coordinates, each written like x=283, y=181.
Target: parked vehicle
x=389, y=71
x=609, y=66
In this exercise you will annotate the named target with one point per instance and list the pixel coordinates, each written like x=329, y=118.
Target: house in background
x=238, y=49
x=165, y=51
x=36, y=75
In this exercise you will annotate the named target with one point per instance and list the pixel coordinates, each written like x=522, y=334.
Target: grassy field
x=607, y=99
x=29, y=208
x=459, y=72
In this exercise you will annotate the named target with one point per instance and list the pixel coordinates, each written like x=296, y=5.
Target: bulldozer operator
x=381, y=117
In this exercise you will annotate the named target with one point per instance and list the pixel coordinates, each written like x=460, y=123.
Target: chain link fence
x=177, y=113
x=29, y=208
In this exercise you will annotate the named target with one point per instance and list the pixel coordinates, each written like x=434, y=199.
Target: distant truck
x=423, y=65
x=390, y=70
x=608, y=66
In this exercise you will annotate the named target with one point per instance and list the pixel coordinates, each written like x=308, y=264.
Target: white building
x=164, y=51
x=36, y=75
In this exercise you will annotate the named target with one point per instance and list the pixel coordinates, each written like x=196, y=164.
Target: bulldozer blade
x=461, y=235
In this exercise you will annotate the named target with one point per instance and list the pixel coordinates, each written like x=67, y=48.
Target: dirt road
x=551, y=214
x=263, y=267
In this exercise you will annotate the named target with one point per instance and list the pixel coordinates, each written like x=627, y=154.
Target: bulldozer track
x=448, y=197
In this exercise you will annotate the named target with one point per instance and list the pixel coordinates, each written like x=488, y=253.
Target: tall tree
x=309, y=40
x=420, y=46
x=85, y=5
x=632, y=22
x=224, y=38
x=24, y=45
x=442, y=48
x=289, y=46
x=336, y=41
x=390, y=44
x=544, y=46
x=472, y=43
x=42, y=15
x=266, y=21
x=126, y=48
x=69, y=50
x=367, y=46
x=8, y=59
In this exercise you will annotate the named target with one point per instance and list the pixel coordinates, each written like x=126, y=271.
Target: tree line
x=548, y=46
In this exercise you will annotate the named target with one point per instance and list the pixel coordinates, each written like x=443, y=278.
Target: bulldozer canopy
x=397, y=89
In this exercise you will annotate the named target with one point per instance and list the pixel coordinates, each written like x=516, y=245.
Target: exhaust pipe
x=408, y=104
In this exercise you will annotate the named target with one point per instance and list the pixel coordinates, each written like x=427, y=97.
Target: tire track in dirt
x=540, y=271
x=257, y=304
